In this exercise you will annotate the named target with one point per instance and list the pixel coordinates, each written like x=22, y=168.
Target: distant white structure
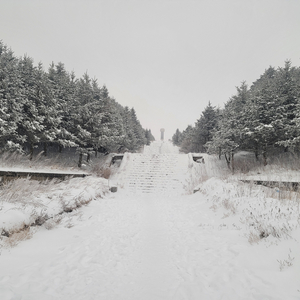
x=162, y=134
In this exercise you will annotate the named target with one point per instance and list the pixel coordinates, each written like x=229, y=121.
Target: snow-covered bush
x=25, y=202
x=252, y=207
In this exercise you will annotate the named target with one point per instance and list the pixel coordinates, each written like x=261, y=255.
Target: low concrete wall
x=11, y=175
x=286, y=185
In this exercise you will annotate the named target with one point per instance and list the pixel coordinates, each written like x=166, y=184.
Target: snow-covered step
x=154, y=171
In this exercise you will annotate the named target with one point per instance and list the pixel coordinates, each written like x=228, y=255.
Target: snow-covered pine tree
x=228, y=138
x=187, y=136
x=204, y=128
x=138, y=130
x=48, y=109
x=31, y=126
x=63, y=87
x=10, y=101
x=130, y=141
x=149, y=137
x=177, y=138
x=260, y=131
x=287, y=95
x=108, y=132
x=81, y=116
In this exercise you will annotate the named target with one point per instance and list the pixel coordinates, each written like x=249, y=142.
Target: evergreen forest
x=263, y=118
x=41, y=108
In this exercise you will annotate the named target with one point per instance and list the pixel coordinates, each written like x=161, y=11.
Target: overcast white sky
x=166, y=59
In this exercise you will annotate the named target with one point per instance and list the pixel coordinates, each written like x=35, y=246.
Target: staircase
x=156, y=173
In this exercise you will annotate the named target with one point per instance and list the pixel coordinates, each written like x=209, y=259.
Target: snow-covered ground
x=230, y=240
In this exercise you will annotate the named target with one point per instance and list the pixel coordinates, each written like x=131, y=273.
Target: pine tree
x=130, y=141
x=138, y=130
x=188, y=134
x=228, y=138
x=31, y=126
x=149, y=137
x=177, y=138
x=204, y=128
x=81, y=116
x=47, y=109
x=287, y=97
x=260, y=129
x=10, y=101
x=110, y=133
x=63, y=87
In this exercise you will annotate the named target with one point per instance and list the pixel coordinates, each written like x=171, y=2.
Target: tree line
x=53, y=107
x=263, y=118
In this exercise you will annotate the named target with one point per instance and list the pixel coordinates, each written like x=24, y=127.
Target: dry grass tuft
x=286, y=262
x=101, y=171
x=23, y=190
x=16, y=238
x=77, y=201
x=106, y=173
x=253, y=238
x=229, y=205
x=53, y=222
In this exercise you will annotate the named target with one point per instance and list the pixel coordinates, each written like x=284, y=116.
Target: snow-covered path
x=145, y=246
x=123, y=249
x=137, y=248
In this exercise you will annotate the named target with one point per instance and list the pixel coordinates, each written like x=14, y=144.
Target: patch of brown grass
x=16, y=238
x=101, y=171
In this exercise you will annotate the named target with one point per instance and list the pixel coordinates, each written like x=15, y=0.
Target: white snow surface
x=161, y=243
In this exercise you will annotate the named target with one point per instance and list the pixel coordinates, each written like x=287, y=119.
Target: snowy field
x=229, y=240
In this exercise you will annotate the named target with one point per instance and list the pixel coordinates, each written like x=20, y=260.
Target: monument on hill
x=162, y=133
